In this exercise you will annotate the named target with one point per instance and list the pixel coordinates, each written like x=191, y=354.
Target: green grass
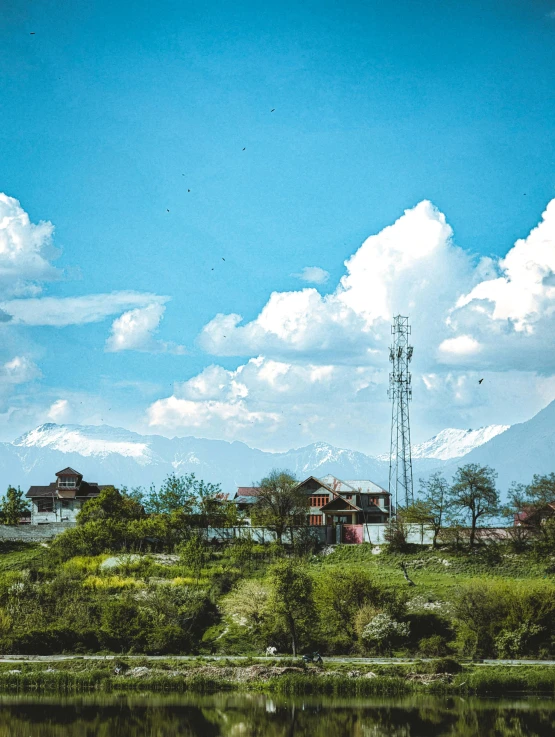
x=15, y=556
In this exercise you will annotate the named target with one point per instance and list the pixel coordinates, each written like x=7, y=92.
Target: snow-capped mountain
x=453, y=443
x=113, y=455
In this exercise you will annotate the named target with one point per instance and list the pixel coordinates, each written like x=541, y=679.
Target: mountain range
x=107, y=455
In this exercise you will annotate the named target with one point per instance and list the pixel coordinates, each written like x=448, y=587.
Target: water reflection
x=256, y=715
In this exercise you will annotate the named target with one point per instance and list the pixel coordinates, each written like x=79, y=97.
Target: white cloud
x=89, y=308
x=134, y=330
x=411, y=267
x=25, y=249
x=60, y=411
x=313, y=275
x=19, y=370
x=462, y=345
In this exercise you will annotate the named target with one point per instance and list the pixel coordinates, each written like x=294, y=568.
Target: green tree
x=185, y=494
x=473, y=493
x=431, y=509
x=13, y=506
x=194, y=553
x=110, y=504
x=280, y=503
x=292, y=602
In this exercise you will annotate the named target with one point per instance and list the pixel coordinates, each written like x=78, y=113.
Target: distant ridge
x=115, y=455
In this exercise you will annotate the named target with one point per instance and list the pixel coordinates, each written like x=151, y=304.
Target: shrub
x=383, y=632
x=433, y=646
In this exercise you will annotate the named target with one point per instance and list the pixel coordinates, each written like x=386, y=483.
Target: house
x=534, y=516
x=355, y=502
x=333, y=501
x=61, y=500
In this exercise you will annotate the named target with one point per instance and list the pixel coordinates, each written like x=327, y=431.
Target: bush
x=383, y=632
x=433, y=646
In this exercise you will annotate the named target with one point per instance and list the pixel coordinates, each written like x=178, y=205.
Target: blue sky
x=112, y=112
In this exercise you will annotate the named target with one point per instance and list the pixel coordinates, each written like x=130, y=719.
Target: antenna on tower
x=400, y=393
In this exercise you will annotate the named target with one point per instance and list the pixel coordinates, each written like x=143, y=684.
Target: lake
x=259, y=715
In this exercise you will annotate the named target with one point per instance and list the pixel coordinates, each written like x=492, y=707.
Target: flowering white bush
x=383, y=630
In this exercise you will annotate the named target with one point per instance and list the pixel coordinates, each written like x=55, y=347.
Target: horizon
x=209, y=216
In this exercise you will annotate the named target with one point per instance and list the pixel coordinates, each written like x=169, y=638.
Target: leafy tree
x=110, y=504
x=247, y=605
x=474, y=494
x=432, y=507
x=186, y=495
x=291, y=601
x=194, y=553
x=280, y=503
x=13, y=506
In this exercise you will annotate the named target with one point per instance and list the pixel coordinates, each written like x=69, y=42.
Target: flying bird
x=244, y=149
x=273, y=110
x=167, y=209
x=188, y=190
x=480, y=381
x=32, y=33
x=223, y=259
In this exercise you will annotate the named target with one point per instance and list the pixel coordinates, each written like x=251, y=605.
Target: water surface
x=258, y=715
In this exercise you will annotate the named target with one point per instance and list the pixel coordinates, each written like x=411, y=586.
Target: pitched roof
x=339, y=503
x=366, y=486
x=68, y=472
x=247, y=491
x=86, y=490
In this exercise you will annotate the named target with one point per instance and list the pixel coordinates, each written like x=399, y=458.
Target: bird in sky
x=273, y=110
x=244, y=149
x=167, y=209
x=32, y=33
x=188, y=190
x=223, y=259
x=480, y=381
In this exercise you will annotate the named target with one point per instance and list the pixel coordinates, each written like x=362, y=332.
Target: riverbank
x=202, y=675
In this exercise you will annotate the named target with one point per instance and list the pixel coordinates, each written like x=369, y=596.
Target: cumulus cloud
x=25, y=250
x=511, y=312
x=19, y=370
x=59, y=411
x=313, y=275
x=135, y=330
x=271, y=403
x=411, y=267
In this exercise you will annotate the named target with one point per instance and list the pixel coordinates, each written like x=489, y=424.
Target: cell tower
x=400, y=393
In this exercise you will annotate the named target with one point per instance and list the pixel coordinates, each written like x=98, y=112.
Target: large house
x=333, y=501
x=61, y=500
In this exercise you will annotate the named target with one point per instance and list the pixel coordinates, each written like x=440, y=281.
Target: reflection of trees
x=255, y=715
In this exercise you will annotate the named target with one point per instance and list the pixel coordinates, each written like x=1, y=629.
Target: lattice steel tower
x=400, y=393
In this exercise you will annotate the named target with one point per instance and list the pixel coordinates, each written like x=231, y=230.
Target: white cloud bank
x=471, y=317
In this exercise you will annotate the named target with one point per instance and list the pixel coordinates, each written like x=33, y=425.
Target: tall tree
x=186, y=495
x=280, y=503
x=13, y=506
x=432, y=507
x=473, y=493
x=292, y=602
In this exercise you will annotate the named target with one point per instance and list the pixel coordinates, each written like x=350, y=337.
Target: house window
x=316, y=519
x=318, y=501
x=45, y=505
x=67, y=482
x=66, y=504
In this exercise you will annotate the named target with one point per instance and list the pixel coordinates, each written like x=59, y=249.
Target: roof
x=247, y=491
x=339, y=503
x=352, y=485
x=86, y=490
x=68, y=472
x=366, y=486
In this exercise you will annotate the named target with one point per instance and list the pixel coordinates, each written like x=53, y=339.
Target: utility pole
x=400, y=393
